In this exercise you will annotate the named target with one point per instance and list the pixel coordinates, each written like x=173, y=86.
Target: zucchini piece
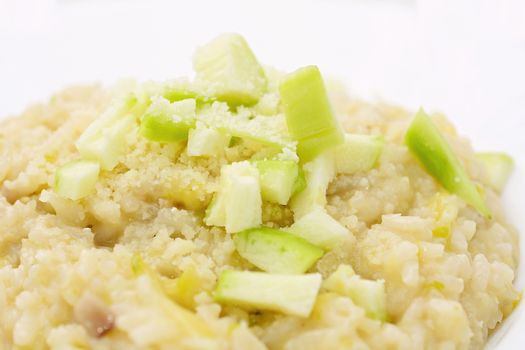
x=243, y=124
x=278, y=179
x=498, y=167
x=319, y=228
x=186, y=287
x=358, y=153
x=243, y=203
x=276, y=251
x=215, y=214
x=181, y=89
x=238, y=204
x=367, y=294
x=429, y=146
x=227, y=69
x=318, y=174
x=206, y=142
x=168, y=122
x=104, y=140
x=309, y=116
x=76, y=179
x=300, y=182
x=290, y=294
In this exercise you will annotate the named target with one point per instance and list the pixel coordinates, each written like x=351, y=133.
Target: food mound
x=247, y=209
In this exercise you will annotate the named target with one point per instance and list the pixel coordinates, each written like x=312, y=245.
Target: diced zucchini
x=186, y=287
x=319, y=228
x=309, y=115
x=110, y=145
x=182, y=89
x=104, y=140
x=318, y=173
x=206, y=142
x=300, y=182
x=243, y=124
x=358, y=153
x=227, y=68
x=426, y=142
x=278, y=179
x=216, y=211
x=498, y=167
x=243, y=203
x=168, y=122
x=370, y=295
x=289, y=294
x=276, y=251
x=238, y=204
x=76, y=179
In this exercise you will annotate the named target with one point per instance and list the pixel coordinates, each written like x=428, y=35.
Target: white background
x=463, y=57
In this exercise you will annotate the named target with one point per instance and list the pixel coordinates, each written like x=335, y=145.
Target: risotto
x=247, y=209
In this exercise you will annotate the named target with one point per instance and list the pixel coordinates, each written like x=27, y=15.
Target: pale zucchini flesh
x=276, y=251
x=497, y=167
x=76, y=179
x=430, y=147
x=289, y=294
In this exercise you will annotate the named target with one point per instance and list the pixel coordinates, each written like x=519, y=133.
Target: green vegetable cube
x=300, y=182
x=104, y=140
x=238, y=204
x=215, y=214
x=358, y=153
x=319, y=228
x=318, y=174
x=206, y=142
x=227, y=69
x=278, y=179
x=168, y=122
x=370, y=295
x=276, y=251
x=243, y=203
x=498, y=167
x=309, y=115
x=290, y=294
x=76, y=179
x=426, y=142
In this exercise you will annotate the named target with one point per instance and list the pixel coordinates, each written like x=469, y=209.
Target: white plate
x=463, y=57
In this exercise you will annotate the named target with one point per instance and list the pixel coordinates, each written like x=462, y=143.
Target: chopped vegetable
x=318, y=174
x=289, y=294
x=300, y=182
x=358, y=153
x=309, y=115
x=498, y=167
x=187, y=286
x=215, y=214
x=276, y=251
x=206, y=142
x=370, y=295
x=104, y=140
x=238, y=204
x=168, y=122
x=227, y=68
x=319, y=228
x=243, y=203
x=76, y=179
x=182, y=89
x=244, y=124
x=278, y=179
x=430, y=147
